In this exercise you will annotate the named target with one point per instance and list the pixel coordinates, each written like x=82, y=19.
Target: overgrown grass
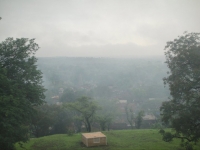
x=148, y=139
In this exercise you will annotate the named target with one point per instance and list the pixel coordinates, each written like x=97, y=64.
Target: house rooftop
x=149, y=117
x=93, y=135
x=122, y=101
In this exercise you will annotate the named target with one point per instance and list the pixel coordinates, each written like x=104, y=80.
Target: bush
x=70, y=132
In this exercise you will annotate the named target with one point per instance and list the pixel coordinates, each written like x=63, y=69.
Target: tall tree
x=42, y=120
x=50, y=119
x=183, y=109
x=86, y=108
x=130, y=115
x=20, y=89
x=139, y=119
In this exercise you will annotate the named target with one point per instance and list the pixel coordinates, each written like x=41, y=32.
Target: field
x=148, y=139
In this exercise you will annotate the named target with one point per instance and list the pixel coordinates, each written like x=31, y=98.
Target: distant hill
x=106, y=78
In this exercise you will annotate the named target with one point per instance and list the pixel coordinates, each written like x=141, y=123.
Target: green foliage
x=139, y=119
x=157, y=125
x=41, y=121
x=130, y=115
x=86, y=109
x=70, y=132
x=50, y=119
x=167, y=136
x=187, y=145
x=182, y=111
x=20, y=89
x=104, y=121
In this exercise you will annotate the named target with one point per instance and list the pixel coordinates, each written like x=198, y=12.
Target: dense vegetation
x=20, y=89
x=182, y=111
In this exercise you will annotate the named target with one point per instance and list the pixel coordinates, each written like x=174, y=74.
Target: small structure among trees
x=94, y=139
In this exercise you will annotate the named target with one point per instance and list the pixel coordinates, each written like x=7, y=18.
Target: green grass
x=148, y=139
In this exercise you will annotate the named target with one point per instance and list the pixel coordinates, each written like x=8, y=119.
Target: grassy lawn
x=148, y=139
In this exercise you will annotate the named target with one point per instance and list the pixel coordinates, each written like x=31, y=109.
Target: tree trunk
x=88, y=125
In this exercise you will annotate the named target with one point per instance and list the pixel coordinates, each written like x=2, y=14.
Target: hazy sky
x=99, y=28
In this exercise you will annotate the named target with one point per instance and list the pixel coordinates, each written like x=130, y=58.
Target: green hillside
x=148, y=139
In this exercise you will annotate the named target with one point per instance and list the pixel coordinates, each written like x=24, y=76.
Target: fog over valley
x=106, y=78
x=105, y=74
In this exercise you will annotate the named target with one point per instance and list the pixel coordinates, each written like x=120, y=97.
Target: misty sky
x=99, y=28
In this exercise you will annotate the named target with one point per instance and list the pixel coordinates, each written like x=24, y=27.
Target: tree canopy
x=20, y=89
x=86, y=108
x=182, y=111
